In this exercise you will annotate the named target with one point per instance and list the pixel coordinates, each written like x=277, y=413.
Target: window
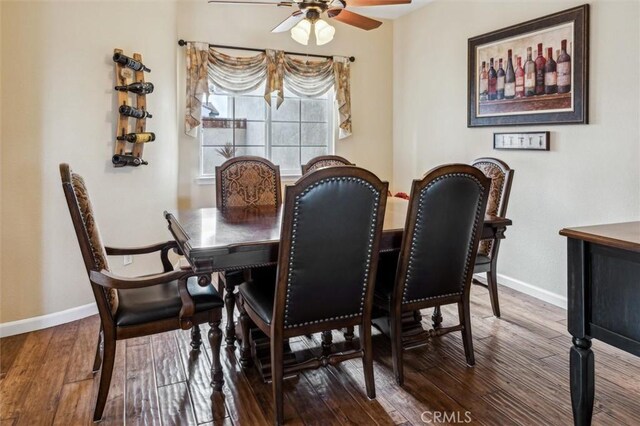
x=288, y=136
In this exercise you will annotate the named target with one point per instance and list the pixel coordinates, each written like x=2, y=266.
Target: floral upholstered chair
x=244, y=181
x=325, y=161
x=486, y=261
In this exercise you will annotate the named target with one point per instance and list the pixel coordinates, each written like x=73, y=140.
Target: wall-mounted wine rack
x=130, y=80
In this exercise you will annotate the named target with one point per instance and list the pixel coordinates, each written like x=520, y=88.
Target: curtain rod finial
x=181, y=42
x=352, y=58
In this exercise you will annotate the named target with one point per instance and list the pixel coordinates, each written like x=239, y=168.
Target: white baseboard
x=531, y=290
x=45, y=321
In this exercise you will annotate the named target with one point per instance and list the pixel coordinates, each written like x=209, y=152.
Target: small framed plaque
x=536, y=141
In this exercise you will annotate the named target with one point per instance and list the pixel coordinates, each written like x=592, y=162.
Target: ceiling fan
x=309, y=12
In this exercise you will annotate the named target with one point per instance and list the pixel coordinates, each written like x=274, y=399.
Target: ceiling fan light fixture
x=301, y=32
x=324, y=32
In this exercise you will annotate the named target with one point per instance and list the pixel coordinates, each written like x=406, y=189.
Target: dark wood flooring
x=520, y=377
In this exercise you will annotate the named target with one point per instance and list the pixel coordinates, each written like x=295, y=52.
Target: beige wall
x=591, y=175
x=371, y=76
x=58, y=106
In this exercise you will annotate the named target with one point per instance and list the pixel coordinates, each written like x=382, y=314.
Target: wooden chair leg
x=245, y=349
x=396, y=347
x=97, y=361
x=215, y=340
x=108, y=360
x=467, y=340
x=348, y=334
x=327, y=340
x=367, y=359
x=196, y=338
x=492, y=284
x=277, y=373
x=436, y=318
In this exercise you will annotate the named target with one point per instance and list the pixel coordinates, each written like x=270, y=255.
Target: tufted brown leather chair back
x=87, y=232
x=444, y=224
x=247, y=181
x=501, y=178
x=329, y=247
x=325, y=161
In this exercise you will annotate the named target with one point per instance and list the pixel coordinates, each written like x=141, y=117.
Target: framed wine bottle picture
x=535, y=72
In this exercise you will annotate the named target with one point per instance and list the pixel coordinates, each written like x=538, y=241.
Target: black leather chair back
x=329, y=246
x=444, y=224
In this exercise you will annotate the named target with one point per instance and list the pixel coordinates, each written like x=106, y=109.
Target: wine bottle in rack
x=510, y=79
x=134, y=112
x=120, y=160
x=493, y=81
x=540, y=63
x=141, y=137
x=519, y=78
x=501, y=81
x=529, y=75
x=563, y=67
x=137, y=88
x=550, y=75
x=484, y=82
x=129, y=62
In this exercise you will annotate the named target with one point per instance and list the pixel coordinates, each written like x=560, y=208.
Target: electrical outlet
x=127, y=259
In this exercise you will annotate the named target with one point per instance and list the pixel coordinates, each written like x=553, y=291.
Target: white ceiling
x=389, y=12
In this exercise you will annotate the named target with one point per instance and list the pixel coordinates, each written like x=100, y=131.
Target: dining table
x=242, y=238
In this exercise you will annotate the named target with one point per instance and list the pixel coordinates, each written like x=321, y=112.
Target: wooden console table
x=603, y=301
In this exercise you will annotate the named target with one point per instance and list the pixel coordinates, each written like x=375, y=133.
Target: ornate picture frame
x=550, y=86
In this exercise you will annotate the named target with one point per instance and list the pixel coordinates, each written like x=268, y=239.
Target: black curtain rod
x=220, y=46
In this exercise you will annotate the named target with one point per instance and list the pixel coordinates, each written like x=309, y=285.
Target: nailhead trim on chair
x=417, y=228
x=293, y=248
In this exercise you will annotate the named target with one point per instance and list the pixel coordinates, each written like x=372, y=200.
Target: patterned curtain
x=197, y=84
x=342, y=72
x=238, y=75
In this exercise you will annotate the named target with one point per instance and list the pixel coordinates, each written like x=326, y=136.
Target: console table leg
x=582, y=380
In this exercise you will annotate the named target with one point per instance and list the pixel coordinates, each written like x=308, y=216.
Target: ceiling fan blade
x=354, y=19
x=364, y=3
x=260, y=3
x=289, y=23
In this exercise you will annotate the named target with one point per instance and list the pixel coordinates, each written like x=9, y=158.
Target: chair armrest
x=121, y=251
x=163, y=248
x=109, y=280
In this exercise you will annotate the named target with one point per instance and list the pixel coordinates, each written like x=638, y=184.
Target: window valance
x=243, y=74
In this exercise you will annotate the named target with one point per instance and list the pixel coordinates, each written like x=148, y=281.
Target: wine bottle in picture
x=138, y=137
x=529, y=75
x=484, y=82
x=563, y=67
x=540, y=63
x=129, y=62
x=130, y=111
x=137, y=88
x=550, y=75
x=493, y=81
x=501, y=81
x=510, y=79
x=519, y=78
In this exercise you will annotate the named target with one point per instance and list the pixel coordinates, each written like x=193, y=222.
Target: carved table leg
x=215, y=340
x=229, y=280
x=327, y=340
x=196, y=339
x=348, y=334
x=582, y=380
x=245, y=349
x=436, y=318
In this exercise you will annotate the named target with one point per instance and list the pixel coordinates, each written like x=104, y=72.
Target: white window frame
x=286, y=175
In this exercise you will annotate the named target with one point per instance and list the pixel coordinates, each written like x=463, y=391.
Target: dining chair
x=139, y=306
x=327, y=262
x=244, y=181
x=501, y=179
x=325, y=161
x=435, y=263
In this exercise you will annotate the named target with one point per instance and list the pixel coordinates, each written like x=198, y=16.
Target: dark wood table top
x=624, y=235
x=239, y=229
